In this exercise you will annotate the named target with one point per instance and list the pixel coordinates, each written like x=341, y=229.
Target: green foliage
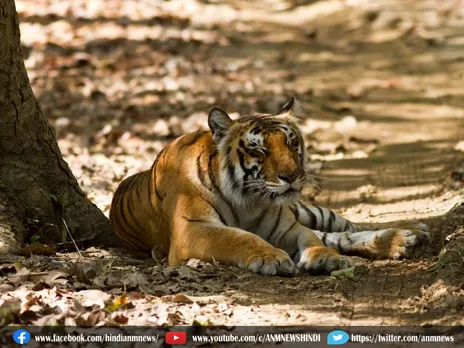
x=347, y=273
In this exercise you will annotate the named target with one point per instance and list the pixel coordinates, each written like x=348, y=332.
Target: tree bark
x=38, y=193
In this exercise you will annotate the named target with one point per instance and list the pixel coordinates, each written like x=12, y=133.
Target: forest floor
x=381, y=85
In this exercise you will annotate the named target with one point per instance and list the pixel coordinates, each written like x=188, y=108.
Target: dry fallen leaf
x=94, y=297
x=181, y=298
x=28, y=316
x=85, y=272
x=6, y=287
x=120, y=319
x=37, y=248
x=49, y=320
x=194, y=263
x=59, y=273
x=54, y=276
x=33, y=300
x=170, y=271
x=188, y=273
x=21, y=275
x=92, y=318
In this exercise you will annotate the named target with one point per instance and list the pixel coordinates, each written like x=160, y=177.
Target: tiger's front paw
x=271, y=261
x=401, y=242
x=323, y=260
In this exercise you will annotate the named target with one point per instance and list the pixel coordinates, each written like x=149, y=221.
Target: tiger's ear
x=219, y=122
x=287, y=108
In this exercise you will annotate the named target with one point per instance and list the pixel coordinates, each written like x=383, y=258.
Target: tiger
x=232, y=195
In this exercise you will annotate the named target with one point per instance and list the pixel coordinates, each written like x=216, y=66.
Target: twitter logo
x=337, y=337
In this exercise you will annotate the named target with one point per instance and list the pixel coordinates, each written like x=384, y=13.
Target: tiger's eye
x=256, y=153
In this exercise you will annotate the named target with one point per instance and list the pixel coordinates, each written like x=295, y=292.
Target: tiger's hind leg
x=379, y=241
x=389, y=243
x=395, y=240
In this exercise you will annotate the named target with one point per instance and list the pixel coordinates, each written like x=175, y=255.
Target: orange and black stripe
x=122, y=214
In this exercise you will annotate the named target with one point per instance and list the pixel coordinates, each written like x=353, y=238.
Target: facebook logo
x=337, y=337
x=21, y=336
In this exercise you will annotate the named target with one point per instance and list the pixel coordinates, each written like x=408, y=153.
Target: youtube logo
x=176, y=337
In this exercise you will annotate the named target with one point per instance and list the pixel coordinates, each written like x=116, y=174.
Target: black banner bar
x=236, y=336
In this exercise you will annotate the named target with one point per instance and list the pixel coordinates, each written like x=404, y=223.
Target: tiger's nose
x=289, y=177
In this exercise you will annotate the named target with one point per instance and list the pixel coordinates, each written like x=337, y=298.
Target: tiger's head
x=262, y=156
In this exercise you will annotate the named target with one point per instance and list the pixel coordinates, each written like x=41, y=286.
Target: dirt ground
x=381, y=87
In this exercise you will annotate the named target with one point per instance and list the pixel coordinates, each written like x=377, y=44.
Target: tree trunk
x=38, y=193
